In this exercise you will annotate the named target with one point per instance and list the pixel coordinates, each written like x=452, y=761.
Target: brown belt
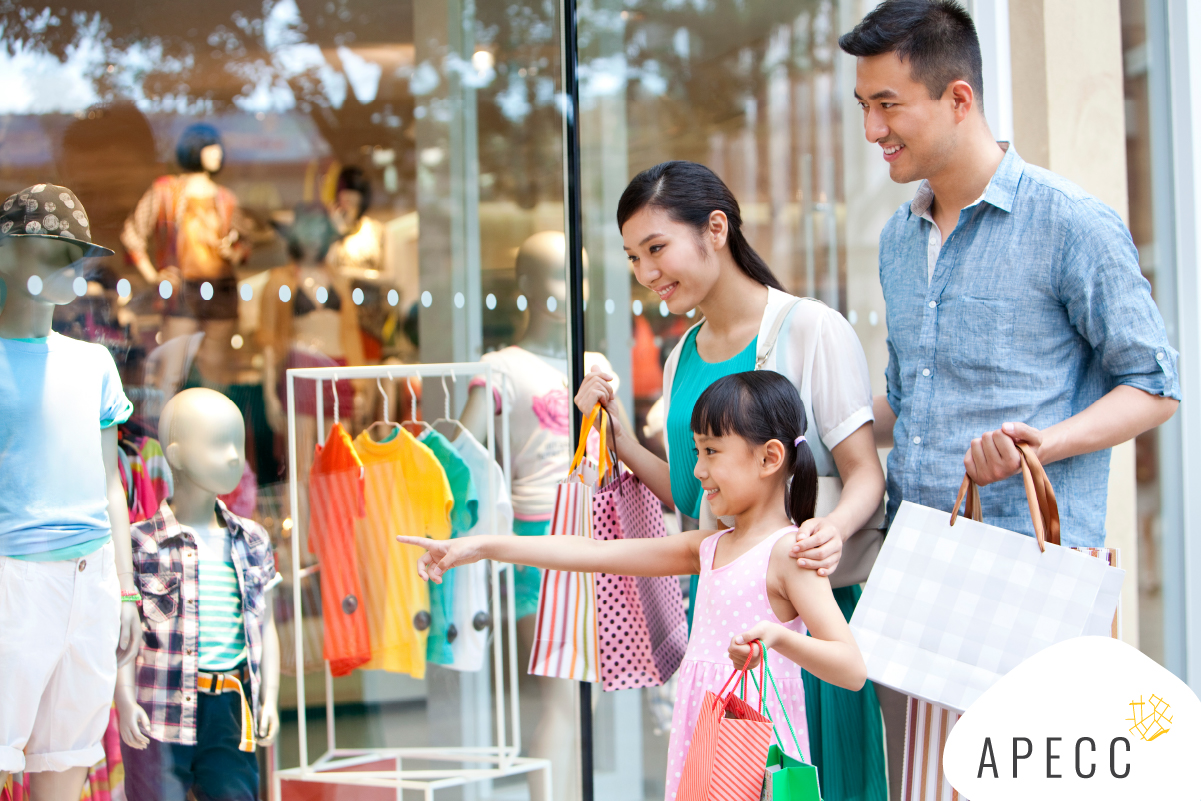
x=231, y=682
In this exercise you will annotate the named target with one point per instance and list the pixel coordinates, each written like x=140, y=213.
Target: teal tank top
x=693, y=376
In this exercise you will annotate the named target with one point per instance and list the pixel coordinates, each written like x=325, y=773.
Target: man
x=1016, y=309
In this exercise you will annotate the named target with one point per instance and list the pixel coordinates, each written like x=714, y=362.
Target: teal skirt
x=846, y=731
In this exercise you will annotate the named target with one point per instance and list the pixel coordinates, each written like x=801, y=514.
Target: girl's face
x=672, y=259
x=732, y=471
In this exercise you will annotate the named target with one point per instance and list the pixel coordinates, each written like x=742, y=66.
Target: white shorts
x=59, y=627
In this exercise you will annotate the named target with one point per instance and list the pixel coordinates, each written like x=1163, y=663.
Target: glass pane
x=758, y=92
x=378, y=167
x=1136, y=47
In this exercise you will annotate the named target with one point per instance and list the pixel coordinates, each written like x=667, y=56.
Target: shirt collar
x=1000, y=192
x=171, y=528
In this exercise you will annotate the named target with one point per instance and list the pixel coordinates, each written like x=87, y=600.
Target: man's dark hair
x=937, y=38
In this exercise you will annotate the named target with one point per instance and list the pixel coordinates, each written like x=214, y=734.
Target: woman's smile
x=667, y=290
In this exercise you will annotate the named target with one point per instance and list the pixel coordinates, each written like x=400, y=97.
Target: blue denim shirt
x=1035, y=310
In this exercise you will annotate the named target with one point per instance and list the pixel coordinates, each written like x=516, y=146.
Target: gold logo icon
x=1150, y=717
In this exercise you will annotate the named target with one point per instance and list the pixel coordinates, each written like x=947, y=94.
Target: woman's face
x=672, y=259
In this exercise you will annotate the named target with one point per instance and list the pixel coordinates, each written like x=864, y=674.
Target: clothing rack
x=342, y=765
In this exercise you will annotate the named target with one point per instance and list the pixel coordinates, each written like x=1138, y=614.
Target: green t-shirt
x=222, y=628
x=463, y=518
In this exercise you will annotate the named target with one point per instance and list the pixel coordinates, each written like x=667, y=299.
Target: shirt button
x=917, y=440
x=933, y=303
x=1159, y=355
x=83, y=564
x=926, y=372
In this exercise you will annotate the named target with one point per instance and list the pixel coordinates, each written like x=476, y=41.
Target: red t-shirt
x=335, y=502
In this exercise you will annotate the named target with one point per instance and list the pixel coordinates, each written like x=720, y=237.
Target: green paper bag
x=788, y=779
x=784, y=778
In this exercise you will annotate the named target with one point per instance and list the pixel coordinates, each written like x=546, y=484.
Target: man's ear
x=963, y=99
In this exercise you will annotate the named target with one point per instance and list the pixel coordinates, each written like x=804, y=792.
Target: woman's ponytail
x=802, y=492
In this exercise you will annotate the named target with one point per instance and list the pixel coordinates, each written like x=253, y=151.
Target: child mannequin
x=207, y=675
x=64, y=527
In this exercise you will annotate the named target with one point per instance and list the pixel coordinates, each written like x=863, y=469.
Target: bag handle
x=1040, y=495
x=783, y=709
x=767, y=347
x=586, y=428
x=739, y=674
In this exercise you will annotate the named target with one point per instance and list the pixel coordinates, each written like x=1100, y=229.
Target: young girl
x=753, y=464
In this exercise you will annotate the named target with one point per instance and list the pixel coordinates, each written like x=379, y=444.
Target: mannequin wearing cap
x=200, y=739
x=64, y=543
x=538, y=392
x=196, y=228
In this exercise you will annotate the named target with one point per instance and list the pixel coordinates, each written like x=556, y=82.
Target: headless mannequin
x=204, y=438
x=541, y=274
x=213, y=356
x=27, y=315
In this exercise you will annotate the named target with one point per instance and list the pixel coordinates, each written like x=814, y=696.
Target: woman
x=682, y=231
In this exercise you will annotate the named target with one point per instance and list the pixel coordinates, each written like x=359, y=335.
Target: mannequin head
x=542, y=276
x=41, y=270
x=200, y=149
x=353, y=196
x=45, y=237
x=204, y=438
x=309, y=236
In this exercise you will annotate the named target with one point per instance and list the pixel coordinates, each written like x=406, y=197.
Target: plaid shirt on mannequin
x=167, y=567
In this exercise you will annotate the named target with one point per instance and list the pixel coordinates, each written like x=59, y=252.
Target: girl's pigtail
x=802, y=494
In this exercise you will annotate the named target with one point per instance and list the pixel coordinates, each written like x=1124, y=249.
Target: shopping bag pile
x=952, y=605
x=732, y=758
x=624, y=631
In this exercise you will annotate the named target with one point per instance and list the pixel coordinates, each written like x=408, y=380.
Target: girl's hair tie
x=797, y=442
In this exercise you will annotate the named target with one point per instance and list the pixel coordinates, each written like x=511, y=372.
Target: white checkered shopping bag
x=952, y=605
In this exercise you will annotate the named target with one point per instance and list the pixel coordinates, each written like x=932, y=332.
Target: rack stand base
x=339, y=767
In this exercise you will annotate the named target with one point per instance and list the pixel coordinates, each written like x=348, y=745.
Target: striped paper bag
x=729, y=747
x=927, y=726
x=566, y=644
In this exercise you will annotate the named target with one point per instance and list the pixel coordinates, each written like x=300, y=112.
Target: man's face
x=916, y=134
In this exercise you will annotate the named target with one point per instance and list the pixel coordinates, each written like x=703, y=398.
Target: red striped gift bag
x=566, y=644
x=728, y=753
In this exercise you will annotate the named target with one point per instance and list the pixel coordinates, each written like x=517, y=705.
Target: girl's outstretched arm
x=677, y=555
x=831, y=653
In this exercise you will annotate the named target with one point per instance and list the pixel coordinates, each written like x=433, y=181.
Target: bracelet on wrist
x=134, y=597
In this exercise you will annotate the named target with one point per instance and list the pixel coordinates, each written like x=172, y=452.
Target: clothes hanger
x=394, y=427
x=413, y=421
x=446, y=418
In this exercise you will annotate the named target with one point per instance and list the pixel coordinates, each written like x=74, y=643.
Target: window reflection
x=300, y=182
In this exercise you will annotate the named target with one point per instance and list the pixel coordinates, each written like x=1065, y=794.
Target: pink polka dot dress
x=729, y=601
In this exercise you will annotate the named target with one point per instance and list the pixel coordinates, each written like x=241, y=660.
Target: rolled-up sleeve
x=1109, y=302
x=842, y=387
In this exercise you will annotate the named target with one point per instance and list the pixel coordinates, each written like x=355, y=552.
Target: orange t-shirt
x=406, y=493
x=335, y=503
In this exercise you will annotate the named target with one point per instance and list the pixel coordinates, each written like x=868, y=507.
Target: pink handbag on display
x=641, y=620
